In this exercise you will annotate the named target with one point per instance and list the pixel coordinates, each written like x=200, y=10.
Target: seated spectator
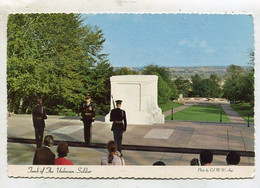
x=233, y=158
x=206, y=157
x=114, y=157
x=159, y=163
x=44, y=155
x=195, y=162
x=63, y=151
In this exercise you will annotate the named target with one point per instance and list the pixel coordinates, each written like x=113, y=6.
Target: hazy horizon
x=218, y=66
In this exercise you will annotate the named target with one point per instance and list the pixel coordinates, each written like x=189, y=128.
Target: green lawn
x=244, y=109
x=200, y=113
x=169, y=105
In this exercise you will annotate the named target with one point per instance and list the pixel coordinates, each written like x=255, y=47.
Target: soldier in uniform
x=39, y=115
x=87, y=116
x=118, y=117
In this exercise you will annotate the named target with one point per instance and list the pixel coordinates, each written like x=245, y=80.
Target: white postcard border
x=113, y=6
x=144, y=172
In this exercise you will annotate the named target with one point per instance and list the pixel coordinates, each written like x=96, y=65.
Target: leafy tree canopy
x=57, y=58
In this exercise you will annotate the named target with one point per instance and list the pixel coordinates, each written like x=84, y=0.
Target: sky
x=175, y=40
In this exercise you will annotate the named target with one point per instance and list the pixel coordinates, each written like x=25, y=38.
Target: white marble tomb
x=139, y=96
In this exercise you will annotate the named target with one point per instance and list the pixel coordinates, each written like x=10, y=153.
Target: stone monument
x=139, y=96
x=180, y=99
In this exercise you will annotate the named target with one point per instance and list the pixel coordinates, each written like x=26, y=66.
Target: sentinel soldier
x=39, y=115
x=87, y=116
x=118, y=117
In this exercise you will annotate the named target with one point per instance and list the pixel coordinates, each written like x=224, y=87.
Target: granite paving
x=179, y=134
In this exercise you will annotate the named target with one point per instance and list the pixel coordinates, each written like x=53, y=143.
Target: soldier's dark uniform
x=39, y=115
x=87, y=116
x=118, y=116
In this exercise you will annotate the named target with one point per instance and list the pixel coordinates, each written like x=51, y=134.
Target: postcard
x=126, y=94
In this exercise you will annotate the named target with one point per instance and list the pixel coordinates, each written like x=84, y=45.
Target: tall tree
x=252, y=58
x=247, y=91
x=52, y=56
x=251, y=79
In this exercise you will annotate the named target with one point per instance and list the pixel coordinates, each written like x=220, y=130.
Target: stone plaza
x=183, y=134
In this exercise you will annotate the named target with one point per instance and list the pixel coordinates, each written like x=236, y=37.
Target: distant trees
x=126, y=71
x=167, y=89
x=57, y=58
x=183, y=86
x=206, y=87
x=239, y=84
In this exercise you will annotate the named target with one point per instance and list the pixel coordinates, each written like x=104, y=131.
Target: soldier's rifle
x=113, y=102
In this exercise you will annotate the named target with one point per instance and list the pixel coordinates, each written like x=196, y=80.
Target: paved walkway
x=180, y=108
x=171, y=134
x=233, y=116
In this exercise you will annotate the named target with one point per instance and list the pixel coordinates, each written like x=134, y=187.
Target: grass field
x=169, y=105
x=244, y=109
x=200, y=113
